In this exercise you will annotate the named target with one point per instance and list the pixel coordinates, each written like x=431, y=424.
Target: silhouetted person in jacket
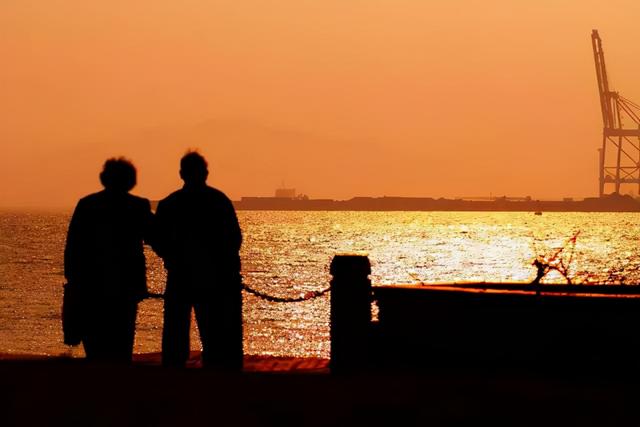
x=198, y=237
x=104, y=261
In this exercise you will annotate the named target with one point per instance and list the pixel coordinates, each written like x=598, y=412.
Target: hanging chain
x=303, y=297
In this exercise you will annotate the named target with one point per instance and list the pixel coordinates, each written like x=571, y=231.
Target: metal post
x=350, y=312
x=601, y=167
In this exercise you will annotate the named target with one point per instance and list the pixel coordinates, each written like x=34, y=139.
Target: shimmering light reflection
x=288, y=253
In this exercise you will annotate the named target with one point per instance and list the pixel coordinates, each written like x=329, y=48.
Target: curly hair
x=118, y=174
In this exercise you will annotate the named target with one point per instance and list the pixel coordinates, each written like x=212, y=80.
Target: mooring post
x=350, y=312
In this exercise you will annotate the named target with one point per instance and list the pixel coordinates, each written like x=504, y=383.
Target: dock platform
x=298, y=392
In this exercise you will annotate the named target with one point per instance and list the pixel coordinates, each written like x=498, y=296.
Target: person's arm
x=73, y=248
x=157, y=234
x=148, y=232
x=235, y=233
x=233, y=237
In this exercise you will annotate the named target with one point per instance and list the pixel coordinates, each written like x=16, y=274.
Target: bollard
x=350, y=312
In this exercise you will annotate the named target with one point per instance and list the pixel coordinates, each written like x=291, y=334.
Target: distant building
x=286, y=193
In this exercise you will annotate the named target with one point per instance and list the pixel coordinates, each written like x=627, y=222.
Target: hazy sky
x=336, y=98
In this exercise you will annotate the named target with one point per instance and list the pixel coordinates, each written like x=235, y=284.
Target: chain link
x=304, y=297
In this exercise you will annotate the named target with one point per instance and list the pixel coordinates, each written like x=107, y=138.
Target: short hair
x=193, y=168
x=118, y=174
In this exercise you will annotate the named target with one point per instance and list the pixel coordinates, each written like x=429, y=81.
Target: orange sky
x=337, y=98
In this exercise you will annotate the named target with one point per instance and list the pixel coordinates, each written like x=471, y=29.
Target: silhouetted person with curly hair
x=198, y=237
x=104, y=262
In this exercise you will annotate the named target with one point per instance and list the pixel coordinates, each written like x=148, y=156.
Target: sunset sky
x=337, y=98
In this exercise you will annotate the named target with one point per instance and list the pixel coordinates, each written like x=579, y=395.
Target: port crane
x=620, y=151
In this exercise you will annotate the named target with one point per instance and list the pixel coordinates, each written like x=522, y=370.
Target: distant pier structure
x=620, y=151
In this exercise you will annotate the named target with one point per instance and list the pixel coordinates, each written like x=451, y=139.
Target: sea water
x=287, y=254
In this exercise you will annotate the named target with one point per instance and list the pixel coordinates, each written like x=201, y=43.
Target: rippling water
x=288, y=253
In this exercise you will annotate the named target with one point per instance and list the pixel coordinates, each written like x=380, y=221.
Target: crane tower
x=620, y=152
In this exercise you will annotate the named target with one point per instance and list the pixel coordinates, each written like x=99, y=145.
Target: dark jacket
x=104, y=250
x=198, y=236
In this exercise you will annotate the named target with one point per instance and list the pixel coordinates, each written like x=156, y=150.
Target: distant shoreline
x=610, y=203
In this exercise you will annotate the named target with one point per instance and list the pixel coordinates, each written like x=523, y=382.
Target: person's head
x=118, y=174
x=193, y=168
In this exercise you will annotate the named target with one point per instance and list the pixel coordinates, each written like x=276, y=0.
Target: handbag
x=72, y=314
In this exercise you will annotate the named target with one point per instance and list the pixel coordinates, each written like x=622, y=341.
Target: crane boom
x=616, y=112
x=603, y=82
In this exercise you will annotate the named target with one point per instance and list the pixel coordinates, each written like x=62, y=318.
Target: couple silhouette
x=194, y=230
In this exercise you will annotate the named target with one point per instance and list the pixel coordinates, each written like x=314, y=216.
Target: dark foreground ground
x=294, y=392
